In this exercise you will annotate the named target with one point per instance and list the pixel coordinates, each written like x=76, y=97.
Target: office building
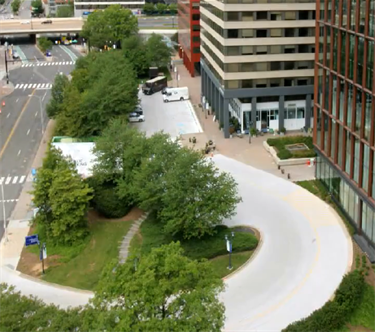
x=84, y=7
x=345, y=109
x=189, y=34
x=257, y=62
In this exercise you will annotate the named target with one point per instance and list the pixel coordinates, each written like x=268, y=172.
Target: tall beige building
x=257, y=63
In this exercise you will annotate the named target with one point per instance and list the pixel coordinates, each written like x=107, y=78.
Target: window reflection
x=366, y=161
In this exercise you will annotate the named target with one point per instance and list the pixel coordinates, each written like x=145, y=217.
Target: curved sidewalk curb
x=255, y=253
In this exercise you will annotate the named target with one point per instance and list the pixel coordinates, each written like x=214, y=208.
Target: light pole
x=4, y=214
x=229, y=241
x=41, y=111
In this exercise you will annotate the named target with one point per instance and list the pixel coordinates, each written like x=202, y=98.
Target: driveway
x=304, y=254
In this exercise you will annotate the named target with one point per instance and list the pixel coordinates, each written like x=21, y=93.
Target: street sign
x=31, y=240
x=33, y=171
x=43, y=252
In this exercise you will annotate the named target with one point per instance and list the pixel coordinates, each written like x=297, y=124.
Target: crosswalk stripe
x=38, y=86
x=60, y=63
x=30, y=86
x=22, y=178
x=43, y=85
x=45, y=63
x=17, y=85
x=34, y=85
x=63, y=63
x=15, y=179
x=2, y=180
x=49, y=85
x=51, y=63
x=8, y=180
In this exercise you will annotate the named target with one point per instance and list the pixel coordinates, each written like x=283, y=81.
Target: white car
x=135, y=117
x=25, y=22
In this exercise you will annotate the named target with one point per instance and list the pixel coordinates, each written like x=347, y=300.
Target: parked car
x=25, y=22
x=47, y=22
x=135, y=117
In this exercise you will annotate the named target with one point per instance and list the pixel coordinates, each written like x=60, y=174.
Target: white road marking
x=17, y=85
x=19, y=152
x=43, y=85
x=37, y=61
x=22, y=178
x=36, y=114
x=8, y=115
x=15, y=180
x=20, y=85
x=17, y=100
x=8, y=180
x=9, y=200
x=28, y=132
x=38, y=85
x=30, y=85
x=34, y=86
x=44, y=96
x=2, y=180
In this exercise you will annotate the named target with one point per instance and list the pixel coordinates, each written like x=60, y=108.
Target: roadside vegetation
x=15, y=4
x=44, y=44
x=280, y=144
x=159, y=9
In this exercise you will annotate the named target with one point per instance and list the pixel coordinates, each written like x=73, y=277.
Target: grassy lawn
x=283, y=153
x=318, y=189
x=363, y=318
x=209, y=247
x=81, y=267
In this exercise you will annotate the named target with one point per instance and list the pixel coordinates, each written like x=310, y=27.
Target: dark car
x=47, y=22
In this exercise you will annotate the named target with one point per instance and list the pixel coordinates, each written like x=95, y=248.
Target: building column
x=226, y=117
x=308, y=112
x=214, y=103
x=217, y=103
x=253, y=112
x=203, y=84
x=281, y=112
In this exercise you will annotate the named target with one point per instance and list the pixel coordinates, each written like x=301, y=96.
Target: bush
x=284, y=154
x=334, y=314
x=106, y=200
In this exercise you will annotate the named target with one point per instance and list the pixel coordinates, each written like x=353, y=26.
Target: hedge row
x=334, y=314
x=281, y=143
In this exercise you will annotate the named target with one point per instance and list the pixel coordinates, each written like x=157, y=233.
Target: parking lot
x=175, y=118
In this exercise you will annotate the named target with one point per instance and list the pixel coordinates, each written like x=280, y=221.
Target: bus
x=156, y=84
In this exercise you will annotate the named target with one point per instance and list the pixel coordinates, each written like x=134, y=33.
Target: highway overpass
x=59, y=25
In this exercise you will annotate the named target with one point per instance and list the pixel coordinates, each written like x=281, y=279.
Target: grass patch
x=364, y=315
x=283, y=153
x=82, y=270
x=317, y=188
x=209, y=247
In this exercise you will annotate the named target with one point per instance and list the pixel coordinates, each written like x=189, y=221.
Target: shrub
x=284, y=154
x=334, y=314
x=280, y=145
x=106, y=200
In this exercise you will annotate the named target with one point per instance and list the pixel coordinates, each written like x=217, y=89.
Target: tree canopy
x=16, y=4
x=65, y=11
x=109, y=26
x=159, y=53
x=37, y=6
x=56, y=103
x=103, y=87
x=62, y=198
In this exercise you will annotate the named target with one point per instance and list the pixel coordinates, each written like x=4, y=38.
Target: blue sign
x=31, y=240
x=48, y=53
x=33, y=171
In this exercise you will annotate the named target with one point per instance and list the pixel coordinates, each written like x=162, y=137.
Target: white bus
x=174, y=94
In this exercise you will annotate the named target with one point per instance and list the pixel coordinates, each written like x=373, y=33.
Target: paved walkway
x=124, y=247
x=240, y=149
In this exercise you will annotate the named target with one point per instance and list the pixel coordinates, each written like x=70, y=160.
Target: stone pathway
x=124, y=247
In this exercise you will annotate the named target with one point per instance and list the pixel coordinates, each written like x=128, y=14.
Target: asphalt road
x=24, y=12
x=158, y=22
x=21, y=121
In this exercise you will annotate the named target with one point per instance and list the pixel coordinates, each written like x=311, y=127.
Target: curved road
x=305, y=252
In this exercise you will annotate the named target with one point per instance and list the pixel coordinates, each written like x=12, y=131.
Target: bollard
x=278, y=166
x=282, y=171
x=288, y=176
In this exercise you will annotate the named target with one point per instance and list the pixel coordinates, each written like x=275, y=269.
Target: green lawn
x=84, y=269
x=318, y=189
x=209, y=247
x=364, y=315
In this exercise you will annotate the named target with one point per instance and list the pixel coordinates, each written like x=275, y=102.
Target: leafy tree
x=148, y=8
x=16, y=4
x=56, y=103
x=159, y=53
x=172, y=8
x=161, y=8
x=109, y=26
x=65, y=11
x=134, y=49
x=104, y=87
x=44, y=44
x=149, y=178
x=37, y=6
x=164, y=291
x=2, y=2
x=62, y=198
x=197, y=196
x=119, y=152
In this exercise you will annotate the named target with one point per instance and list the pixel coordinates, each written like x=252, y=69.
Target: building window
x=366, y=162
x=196, y=17
x=196, y=39
x=368, y=221
x=370, y=62
x=275, y=49
x=196, y=50
x=289, y=32
x=290, y=15
x=348, y=152
x=333, y=137
x=232, y=16
x=356, y=160
x=276, y=33
x=262, y=16
x=300, y=112
x=358, y=111
x=275, y=65
x=367, y=125
x=247, y=16
x=247, y=33
x=261, y=50
x=196, y=27
x=275, y=16
x=339, y=146
x=261, y=33
x=350, y=102
x=247, y=50
x=233, y=33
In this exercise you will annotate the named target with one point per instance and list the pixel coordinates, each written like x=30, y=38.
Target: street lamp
x=41, y=111
x=4, y=214
x=229, y=241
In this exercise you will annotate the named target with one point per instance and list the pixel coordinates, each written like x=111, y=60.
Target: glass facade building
x=344, y=108
x=189, y=34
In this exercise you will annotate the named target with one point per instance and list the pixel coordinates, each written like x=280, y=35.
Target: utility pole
x=6, y=65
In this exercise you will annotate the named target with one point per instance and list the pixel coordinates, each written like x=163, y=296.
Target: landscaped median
x=244, y=242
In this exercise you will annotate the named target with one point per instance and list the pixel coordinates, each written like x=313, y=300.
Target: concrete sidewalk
x=240, y=149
